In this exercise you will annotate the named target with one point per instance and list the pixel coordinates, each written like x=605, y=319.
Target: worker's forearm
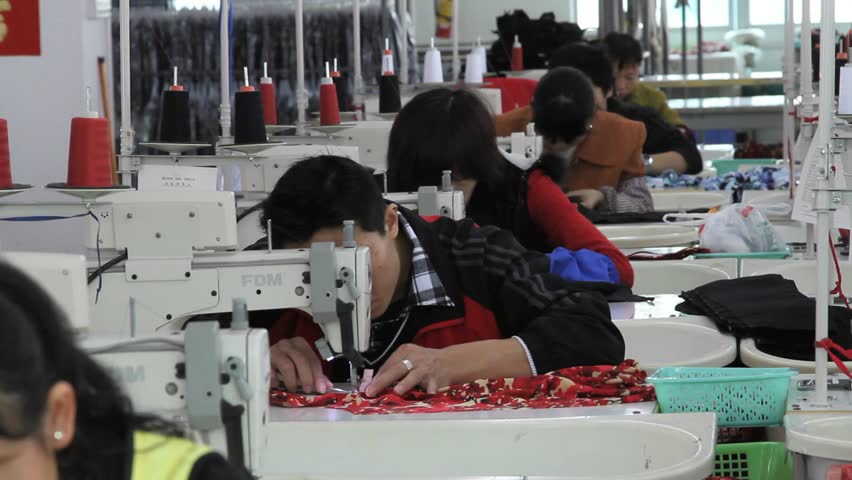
x=667, y=161
x=487, y=359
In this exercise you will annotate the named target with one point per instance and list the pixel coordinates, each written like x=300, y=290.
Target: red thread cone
x=329, y=109
x=89, y=153
x=5, y=162
x=270, y=109
x=517, y=58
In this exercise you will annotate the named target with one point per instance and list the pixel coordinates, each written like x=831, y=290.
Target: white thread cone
x=473, y=71
x=433, y=71
x=481, y=58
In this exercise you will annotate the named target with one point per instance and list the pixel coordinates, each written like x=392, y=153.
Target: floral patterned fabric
x=568, y=387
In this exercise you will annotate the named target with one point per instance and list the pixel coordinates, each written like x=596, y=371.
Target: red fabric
x=565, y=226
x=569, y=387
x=514, y=92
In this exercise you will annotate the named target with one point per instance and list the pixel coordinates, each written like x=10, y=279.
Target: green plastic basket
x=724, y=166
x=754, y=461
x=740, y=397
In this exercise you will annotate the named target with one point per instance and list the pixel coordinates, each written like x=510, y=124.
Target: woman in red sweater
x=445, y=129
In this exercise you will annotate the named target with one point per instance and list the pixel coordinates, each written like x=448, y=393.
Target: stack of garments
x=769, y=309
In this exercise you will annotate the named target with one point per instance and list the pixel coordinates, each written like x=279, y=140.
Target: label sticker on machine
x=177, y=178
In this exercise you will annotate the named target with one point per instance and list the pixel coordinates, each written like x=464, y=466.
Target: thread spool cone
x=270, y=104
x=248, y=118
x=89, y=154
x=433, y=70
x=481, y=58
x=341, y=86
x=5, y=158
x=329, y=108
x=473, y=69
x=389, y=97
x=517, y=56
x=174, y=125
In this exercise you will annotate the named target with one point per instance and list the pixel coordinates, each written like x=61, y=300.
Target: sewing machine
x=212, y=381
x=428, y=200
x=254, y=171
x=524, y=147
x=370, y=137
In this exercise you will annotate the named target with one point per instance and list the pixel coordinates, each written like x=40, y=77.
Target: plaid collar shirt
x=425, y=289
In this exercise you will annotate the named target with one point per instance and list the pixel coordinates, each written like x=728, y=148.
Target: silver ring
x=408, y=365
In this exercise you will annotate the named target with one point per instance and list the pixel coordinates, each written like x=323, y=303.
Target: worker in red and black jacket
x=451, y=302
x=443, y=129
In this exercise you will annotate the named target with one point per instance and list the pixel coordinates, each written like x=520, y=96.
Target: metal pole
x=402, y=7
x=700, y=31
x=826, y=115
x=664, y=31
x=789, y=82
x=456, y=59
x=683, y=39
x=806, y=67
x=357, y=97
x=225, y=70
x=126, y=132
x=301, y=94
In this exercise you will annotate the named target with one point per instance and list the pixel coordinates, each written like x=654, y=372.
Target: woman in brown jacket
x=603, y=168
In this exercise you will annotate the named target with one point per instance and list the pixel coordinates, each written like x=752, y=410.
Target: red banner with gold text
x=20, y=32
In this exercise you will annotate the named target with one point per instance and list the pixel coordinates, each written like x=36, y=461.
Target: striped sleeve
x=632, y=195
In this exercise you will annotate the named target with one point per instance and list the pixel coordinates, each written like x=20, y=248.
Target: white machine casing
x=277, y=160
x=370, y=137
x=62, y=276
x=150, y=376
x=432, y=201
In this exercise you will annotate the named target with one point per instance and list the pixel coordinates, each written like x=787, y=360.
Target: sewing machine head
x=212, y=382
x=62, y=276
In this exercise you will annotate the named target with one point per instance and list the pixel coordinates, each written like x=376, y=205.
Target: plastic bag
x=739, y=228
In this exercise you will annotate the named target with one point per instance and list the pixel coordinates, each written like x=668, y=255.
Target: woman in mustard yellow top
x=63, y=417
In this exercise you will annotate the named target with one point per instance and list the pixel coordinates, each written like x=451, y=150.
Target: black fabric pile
x=539, y=37
x=769, y=309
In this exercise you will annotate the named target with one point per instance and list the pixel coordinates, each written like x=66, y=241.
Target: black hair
x=37, y=350
x=439, y=130
x=623, y=49
x=563, y=105
x=589, y=59
x=321, y=192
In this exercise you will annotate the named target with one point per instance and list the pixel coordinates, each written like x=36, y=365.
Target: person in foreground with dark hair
x=665, y=147
x=626, y=53
x=445, y=129
x=451, y=302
x=63, y=417
x=597, y=161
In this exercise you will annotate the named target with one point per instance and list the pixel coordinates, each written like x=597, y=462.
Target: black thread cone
x=248, y=118
x=340, y=86
x=174, y=117
x=389, y=101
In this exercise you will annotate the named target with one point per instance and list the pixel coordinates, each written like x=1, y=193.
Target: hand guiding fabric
x=429, y=369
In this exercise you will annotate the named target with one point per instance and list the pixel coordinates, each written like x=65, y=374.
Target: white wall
x=479, y=17
x=39, y=96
